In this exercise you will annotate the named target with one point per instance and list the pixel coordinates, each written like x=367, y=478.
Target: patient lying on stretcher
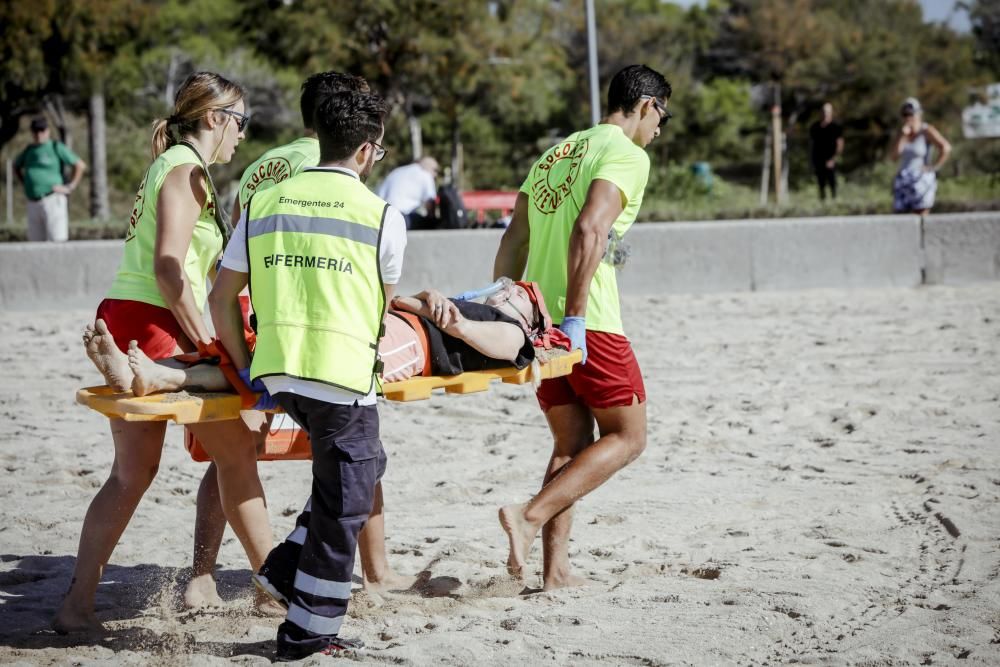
x=426, y=334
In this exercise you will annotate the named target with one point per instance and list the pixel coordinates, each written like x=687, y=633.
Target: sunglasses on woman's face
x=242, y=119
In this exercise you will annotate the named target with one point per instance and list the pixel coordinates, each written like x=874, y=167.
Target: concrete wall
x=962, y=248
x=875, y=251
x=741, y=255
x=451, y=261
x=56, y=275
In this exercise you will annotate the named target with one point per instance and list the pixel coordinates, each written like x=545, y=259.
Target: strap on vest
x=221, y=219
x=215, y=354
x=418, y=326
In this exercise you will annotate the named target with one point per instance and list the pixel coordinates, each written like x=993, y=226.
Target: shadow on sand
x=33, y=588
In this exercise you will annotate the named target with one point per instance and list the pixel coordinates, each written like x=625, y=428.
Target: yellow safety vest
x=315, y=279
x=136, y=276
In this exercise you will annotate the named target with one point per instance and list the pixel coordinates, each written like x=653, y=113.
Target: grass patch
x=679, y=197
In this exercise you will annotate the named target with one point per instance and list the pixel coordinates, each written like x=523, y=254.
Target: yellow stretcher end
x=190, y=408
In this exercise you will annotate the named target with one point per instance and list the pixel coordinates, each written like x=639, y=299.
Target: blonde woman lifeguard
x=175, y=237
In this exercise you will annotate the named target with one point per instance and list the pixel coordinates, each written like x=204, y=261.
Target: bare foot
x=390, y=582
x=110, y=361
x=265, y=605
x=555, y=582
x=521, y=534
x=67, y=621
x=201, y=592
x=149, y=376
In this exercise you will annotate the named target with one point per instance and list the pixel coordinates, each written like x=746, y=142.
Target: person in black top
x=826, y=145
x=468, y=336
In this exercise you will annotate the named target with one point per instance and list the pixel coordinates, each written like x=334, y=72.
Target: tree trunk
x=168, y=89
x=765, y=168
x=456, y=155
x=54, y=105
x=416, y=136
x=99, y=207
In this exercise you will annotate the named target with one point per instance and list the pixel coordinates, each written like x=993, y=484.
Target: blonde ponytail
x=162, y=137
x=200, y=94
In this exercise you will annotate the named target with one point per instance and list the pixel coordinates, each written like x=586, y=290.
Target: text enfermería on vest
x=309, y=262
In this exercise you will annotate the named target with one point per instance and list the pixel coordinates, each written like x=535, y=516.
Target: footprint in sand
x=607, y=520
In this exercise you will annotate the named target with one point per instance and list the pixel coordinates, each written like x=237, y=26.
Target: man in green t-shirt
x=578, y=201
x=40, y=169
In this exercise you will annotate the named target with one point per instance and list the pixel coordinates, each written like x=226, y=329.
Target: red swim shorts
x=611, y=377
x=153, y=327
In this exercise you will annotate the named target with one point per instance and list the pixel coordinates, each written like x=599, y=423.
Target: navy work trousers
x=313, y=567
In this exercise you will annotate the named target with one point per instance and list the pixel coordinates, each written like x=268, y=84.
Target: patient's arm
x=496, y=340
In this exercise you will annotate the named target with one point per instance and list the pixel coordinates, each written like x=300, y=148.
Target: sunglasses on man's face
x=665, y=115
x=242, y=119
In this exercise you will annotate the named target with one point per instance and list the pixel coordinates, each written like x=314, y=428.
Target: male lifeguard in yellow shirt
x=578, y=201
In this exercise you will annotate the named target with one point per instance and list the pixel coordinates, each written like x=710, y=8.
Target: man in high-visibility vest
x=574, y=207
x=321, y=254
x=273, y=167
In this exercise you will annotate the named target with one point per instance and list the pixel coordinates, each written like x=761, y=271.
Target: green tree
x=984, y=15
x=451, y=59
x=26, y=72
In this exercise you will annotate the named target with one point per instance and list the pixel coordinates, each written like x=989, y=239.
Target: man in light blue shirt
x=412, y=190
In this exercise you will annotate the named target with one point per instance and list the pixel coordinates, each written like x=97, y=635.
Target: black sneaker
x=336, y=645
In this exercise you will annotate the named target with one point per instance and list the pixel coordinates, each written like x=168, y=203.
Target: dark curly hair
x=346, y=120
x=319, y=86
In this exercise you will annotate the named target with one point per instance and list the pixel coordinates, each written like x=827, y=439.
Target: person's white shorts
x=48, y=218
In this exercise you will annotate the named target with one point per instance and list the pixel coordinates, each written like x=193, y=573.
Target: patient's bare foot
x=110, y=361
x=149, y=376
x=391, y=581
x=70, y=620
x=520, y=534
x=201, y=592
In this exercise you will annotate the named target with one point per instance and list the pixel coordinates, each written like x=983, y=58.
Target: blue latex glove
x=265, y=401
x=576, y=329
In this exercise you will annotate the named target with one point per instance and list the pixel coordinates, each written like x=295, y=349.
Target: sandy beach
x=820, y=487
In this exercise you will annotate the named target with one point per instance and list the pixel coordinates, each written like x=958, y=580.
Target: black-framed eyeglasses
x=242, y=119
x=380, y=150
x=665, y=115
